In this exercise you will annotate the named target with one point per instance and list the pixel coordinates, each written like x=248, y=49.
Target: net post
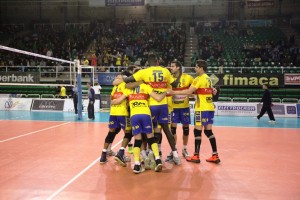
x=79, y=87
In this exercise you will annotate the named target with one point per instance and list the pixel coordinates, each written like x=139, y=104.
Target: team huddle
x=155, y=99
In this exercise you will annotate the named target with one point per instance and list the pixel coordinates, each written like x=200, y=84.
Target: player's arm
x=133, y=85
x=118, y=100
x=189, y=91
x=158, y=97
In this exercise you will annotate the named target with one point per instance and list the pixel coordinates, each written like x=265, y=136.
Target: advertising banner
x=178, y=2
x=236, y=109
x=15, y=104
x=124, y=2
x=291, y=79
x=298, y=109
x=69, y=105
x=278, y=109
x=260, y=3
x=48, y=105
x=19, y=77
x=107, y=78
x=249, y=80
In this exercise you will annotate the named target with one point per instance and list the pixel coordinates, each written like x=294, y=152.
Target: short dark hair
x=152, y=60
x=202, y=63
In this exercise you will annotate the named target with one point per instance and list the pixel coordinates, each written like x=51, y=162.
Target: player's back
x=158, y=78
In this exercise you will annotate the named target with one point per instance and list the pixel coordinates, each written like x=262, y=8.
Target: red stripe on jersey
x=182, y=88
x=157, y=84
x=138, y=97
x=204, y=91
x=117, y=95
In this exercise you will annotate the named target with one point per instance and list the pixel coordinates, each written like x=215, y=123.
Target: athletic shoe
x=169, y=157
x=147, y=163
x=130, y=149
x=185, y=153
x=103, y=158
x=120, y=160
x=177, y=160
x=110, y=153
x=137, y=169
x=256, y=118
x=159, y=166
x=214, y=159
x=272, y=122
x=195, y=158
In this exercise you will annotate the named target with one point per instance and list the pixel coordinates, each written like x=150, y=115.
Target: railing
x=66, y=72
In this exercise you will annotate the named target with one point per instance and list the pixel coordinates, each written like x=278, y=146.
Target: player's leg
x=209, y=134
x=126, y=126
x=197, y=138
x=114, y=129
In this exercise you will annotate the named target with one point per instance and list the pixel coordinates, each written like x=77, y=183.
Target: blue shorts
x=160, y=114
x=181, y=115
x=203, y=118
x=141, y=124
x=120, y=122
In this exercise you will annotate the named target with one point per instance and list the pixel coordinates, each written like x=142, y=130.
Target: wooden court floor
x=60, y=160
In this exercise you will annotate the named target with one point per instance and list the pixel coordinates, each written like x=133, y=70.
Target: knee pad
x=151, y=141
x=110, y=137
x=138, y=143
x=158, y=137
x=117, y=130
x=173, y=130
x=197, y=133
x=186, y=130
x=128, y=136
x=209, y=133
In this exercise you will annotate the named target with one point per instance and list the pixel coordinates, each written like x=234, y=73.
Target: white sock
x=184, y=146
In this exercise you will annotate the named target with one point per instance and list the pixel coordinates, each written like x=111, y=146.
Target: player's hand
x=215, y=91
x=169, y=92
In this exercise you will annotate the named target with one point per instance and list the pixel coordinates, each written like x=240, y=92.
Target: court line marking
x=33, y=132
x=78, y=175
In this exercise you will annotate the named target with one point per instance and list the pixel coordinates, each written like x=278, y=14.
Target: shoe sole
x=158, y=168
x=102, y=163
x=185, y=156
x=194, y=161
x=138, y=172
x=215, y=161
x=120, y=162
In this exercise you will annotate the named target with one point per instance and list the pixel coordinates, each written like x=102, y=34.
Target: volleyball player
x=181, y=106
x=141, y=121
x=158, y=78
x=119, y=118
x=204, y=111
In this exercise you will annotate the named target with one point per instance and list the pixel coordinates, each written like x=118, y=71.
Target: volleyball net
x=27, y=79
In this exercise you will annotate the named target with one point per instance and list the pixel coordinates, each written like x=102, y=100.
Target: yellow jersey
x=204, y=92
x=138, y=99
x=119, y=109
x=158, y=78
x=182, y=101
